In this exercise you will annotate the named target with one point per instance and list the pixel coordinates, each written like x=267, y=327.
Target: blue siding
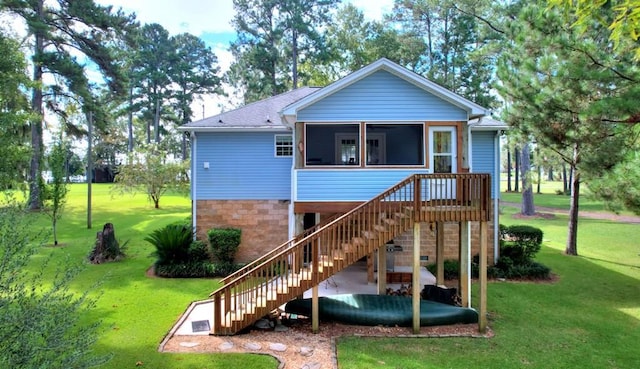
x=242, y=166
x=484, y=155
x=381, y=97
x=347, y=185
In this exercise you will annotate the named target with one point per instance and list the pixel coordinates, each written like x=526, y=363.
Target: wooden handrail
x=275, y=251
x=327, y=248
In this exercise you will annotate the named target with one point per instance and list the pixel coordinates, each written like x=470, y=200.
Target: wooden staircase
x=324, y=250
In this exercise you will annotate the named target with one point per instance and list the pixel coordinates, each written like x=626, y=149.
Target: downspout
x=294, y=187
x=194, y=187
x=496, y=199
x=470, y=162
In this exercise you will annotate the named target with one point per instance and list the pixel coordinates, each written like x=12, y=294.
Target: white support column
x=315, y=311
x=482, y=280
x=440, y=253
x=465, y=264
x=415, y=281
x=382, y=270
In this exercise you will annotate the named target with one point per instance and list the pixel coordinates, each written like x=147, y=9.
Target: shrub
x=198, y=251
x=223, y=269
x=193, y=269
x=451, y=269
x=172, y=243
x=520, y=242
x=224, y=244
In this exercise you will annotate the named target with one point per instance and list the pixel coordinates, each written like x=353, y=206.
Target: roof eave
x=234, y=129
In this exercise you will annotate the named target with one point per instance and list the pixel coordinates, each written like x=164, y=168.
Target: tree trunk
x=527, y=207
x=294, y=68
x=517, y=170
x=509, y=188
x=35, y=196
x=550, y=174
x=156, y=121
x=565, y=185
x=572, y=235
x=130, y=123
x=539, y=168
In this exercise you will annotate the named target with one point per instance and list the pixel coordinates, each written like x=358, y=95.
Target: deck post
x=315, y=318
x=382, y=270
x=415, y=281
x=482, y=313
x=465, y=248
x=440, y=253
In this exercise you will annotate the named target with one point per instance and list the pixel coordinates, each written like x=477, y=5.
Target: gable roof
x=474, y=110
x=263, y=115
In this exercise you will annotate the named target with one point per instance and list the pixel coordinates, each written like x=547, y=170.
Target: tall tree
x=195, y=72
x=14, y=115
x=454, y=40
x=274, y=36
x=527, y=206
x=572, y=92
x=151, y=67
x=59, y=31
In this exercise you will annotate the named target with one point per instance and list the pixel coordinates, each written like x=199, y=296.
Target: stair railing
x=331, y=247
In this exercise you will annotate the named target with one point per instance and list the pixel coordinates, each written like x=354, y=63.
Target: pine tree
x=59, y=30
x=572, y=92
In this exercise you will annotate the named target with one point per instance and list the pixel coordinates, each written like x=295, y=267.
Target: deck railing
x=305, y=262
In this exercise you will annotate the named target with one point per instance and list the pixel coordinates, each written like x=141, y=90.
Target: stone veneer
x=264, y=223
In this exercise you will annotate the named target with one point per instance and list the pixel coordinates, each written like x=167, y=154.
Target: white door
x=443, y=159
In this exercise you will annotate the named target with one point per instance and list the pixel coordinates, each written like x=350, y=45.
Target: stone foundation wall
x=264, y=223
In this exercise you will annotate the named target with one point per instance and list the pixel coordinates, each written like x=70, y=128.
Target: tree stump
x=106, y=247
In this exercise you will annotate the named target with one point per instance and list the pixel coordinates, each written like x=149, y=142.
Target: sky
x=211, y=19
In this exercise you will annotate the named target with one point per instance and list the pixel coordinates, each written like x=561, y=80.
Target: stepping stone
x=226, y=346
x=253, y=346
x=306, y=351
x=279, y=347
x=312, y=366
x=189, y=344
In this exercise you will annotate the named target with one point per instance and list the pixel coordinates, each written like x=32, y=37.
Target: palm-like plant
x=171, y=243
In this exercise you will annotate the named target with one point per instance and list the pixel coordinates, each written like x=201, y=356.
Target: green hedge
x=195, y=269
x=518, y=246
x=224, y=244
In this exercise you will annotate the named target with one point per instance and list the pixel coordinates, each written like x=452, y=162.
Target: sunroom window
x=332, y=144
x=395, y=144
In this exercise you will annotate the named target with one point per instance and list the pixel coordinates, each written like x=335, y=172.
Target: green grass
x=589, y=318
x=549, y=197
x=136, y=311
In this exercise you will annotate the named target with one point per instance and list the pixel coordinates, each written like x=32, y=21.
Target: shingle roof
x=260, y=115
x=487, y=123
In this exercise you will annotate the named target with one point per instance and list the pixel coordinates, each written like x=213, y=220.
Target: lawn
x=589, y=318
x=136, y=311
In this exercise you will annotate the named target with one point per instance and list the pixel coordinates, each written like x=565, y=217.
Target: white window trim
x=275, y=145
x=454, y=148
